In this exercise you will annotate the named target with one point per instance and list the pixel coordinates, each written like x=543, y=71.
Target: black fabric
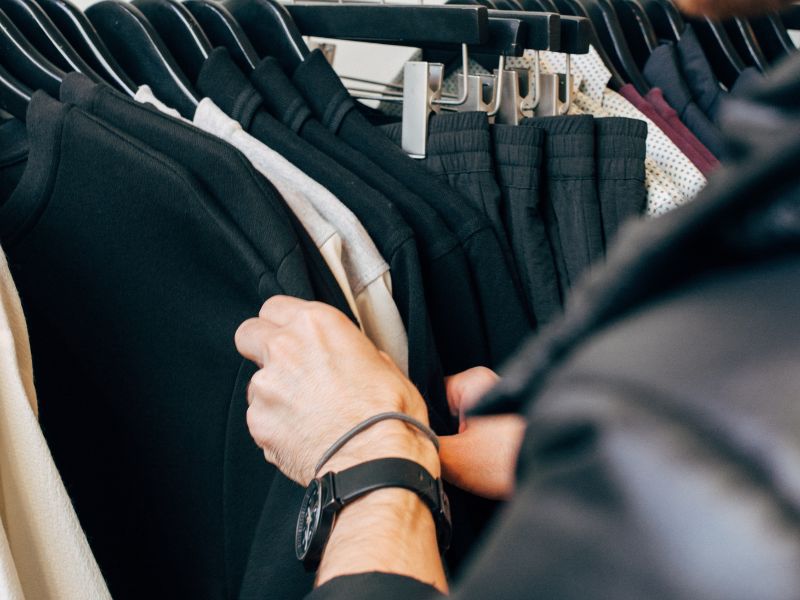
x=502, y=306
x=663, y=70
x=572, y=210
x=621, y=150
x=619, y=487
x=459, y=151
x=518, y=156
x=222, y=81
x=704, y=85
x=252, y=204
x=457, y=326
x=141, y=391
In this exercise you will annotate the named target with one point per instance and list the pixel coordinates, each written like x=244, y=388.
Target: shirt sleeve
x=364, y=586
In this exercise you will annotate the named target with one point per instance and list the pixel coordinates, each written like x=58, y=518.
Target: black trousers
x=518, y=158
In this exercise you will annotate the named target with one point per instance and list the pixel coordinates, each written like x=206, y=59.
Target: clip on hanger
x=507, y=37
x=667, y=21
x=81, y=35
x=556, y=93
x=519, y=89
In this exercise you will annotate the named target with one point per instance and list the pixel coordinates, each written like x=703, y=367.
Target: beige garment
x=366, y=272
x=43, y=551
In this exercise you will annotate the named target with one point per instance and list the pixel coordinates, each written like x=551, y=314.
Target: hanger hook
x=464, y=73
x=498, y=97
x=564, y=108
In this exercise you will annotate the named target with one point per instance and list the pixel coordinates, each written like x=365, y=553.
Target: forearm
x=388, y=531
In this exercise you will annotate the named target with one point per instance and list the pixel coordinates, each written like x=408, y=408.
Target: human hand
x=318, y=377
x=719, y=9
x=481, y=458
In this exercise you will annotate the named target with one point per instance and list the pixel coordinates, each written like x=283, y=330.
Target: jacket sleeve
x=385, y=586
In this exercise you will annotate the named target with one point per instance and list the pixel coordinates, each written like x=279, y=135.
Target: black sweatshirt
x=134, y=280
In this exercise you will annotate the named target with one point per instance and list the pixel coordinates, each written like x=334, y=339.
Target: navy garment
x=459, y=151
x=503, y=310
x=704, y=85
x=457, y=326
x=621, y=150
x=518, y=161
x=221, y=80
x=663, y=70
x=572, y=209
x=141, y=391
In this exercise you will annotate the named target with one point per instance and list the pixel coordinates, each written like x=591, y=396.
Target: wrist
x=387, y=439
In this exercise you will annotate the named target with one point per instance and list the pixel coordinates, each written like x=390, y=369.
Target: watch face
x=308, y=519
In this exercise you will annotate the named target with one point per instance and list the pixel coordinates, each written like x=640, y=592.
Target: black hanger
x=142, y=53
x=14, y=95
x=25, y=62
x=576, y=9
x=719, y=49
x=272, y=31
x=508, y=5
x=223, y=30
x=746, y=44
x=790, y=16
x=180, y=31
x=42, y=33
x=609, y=30
x=667, y=21
x=773, y=36
x=637, y=28
x=540, y=5
x=82, y=36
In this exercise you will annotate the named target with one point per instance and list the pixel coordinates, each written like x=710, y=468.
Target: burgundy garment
x=656, y=99
x=628, y=92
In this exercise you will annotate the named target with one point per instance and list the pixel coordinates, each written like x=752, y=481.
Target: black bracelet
x=337, y=445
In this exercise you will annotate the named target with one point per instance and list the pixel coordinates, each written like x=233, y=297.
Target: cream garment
x=44, y=554
x=365, y=271
x=591, y=86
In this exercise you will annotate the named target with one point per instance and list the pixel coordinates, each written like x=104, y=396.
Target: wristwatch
x=327, y=495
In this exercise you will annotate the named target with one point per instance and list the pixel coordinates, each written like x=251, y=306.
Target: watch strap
x=367, y=477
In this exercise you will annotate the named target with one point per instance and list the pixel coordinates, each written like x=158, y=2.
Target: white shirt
x=346, y=246
x=44, y=554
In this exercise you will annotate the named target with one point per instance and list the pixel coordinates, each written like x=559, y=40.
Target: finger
x=251, y=340
x=281, y=310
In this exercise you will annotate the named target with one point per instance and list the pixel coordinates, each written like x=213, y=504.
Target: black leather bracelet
x=327, y=495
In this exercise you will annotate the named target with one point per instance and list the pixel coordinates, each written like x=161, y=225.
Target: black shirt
x=502, y=307
x=457, y=326
x=222, y=81
x=133, y=280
